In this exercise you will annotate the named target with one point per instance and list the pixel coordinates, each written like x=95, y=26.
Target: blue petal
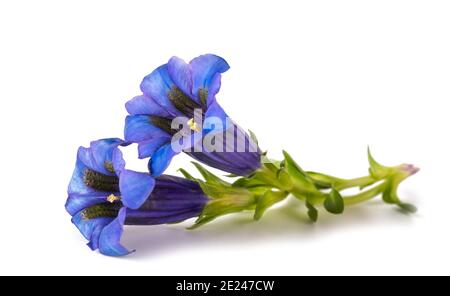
x=102, y=151
x=84, y=162
x=87, y=227
x=215, y=113
x=149, y=147
x=135, y=188
x=161, y=160
x=118, y=161
x=78, y=202
x=181, y=75
x=84, y=156
x=214, y=88
x=138, y=128
x=143, y=105
x=157, y=86
x=109, y=241
x=93, y=243
x=204, y=73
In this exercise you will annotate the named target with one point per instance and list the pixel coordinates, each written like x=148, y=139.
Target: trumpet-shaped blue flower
x=180, y=90
x=104, y=196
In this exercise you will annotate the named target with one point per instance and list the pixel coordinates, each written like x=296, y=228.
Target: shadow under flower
x=287, y=221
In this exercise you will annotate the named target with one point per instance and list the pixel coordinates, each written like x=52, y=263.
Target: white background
x=321, y=79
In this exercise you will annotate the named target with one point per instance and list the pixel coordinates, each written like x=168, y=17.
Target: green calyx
x=276, y=180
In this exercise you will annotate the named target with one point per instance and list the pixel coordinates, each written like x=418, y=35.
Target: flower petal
x=118, y=161
x=87, y=227
x=161, y=160
x=102, y=151
x=149, y=147
x=77, y=184
x=144, y=105
x=139, y=128
x=135, y=188
x=109, y=240
x=213, y=89
x=204, y=73
x=213, y=117
x=180, y=73
x=78, y=202
x=157, y=86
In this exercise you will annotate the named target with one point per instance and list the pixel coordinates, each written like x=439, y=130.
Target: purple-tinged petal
x=109, y=240
x=135, y=188
x=157, y=86
x=204, y=73
x=161, y=160
x=180, y=73
x=149, y=147
x=144, y=105
x=139, y=128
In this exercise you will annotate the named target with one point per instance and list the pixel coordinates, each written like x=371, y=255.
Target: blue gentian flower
x=104, y=196
x=181, y=90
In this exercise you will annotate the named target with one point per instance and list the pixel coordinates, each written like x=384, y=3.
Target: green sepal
x=313, y=213
x=285, y=180
x=224, y=199
x=302, y=182
x=266, y=201
x=208, y=176
x=248, y=183
x=334, y=203
x=272, y=165
x=187, y=175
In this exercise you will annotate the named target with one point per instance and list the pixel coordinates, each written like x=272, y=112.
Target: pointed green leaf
x=322, y=181
x=187, y=175
x=334, y=203
x=272, y=165
x=267, y=200
x=248, y=183
x=292, y=165
x=300, y=179
x=201, y=221
x=313, y=214
x=285, y=179
x=208, y=176
x=377, y=170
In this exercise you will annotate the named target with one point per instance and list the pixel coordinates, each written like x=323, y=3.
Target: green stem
x=358, y=182
x=366, y=195
x=327, y=182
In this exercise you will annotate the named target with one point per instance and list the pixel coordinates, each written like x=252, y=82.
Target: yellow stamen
x=112, y=198
x=193, y=125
